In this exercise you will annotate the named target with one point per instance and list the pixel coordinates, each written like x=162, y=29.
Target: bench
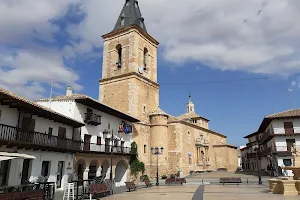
x=33, y=195
x=130, y=186
x=175, y=180
x=148, y=183
x=26, y=195
x=230, y=180
x=96, y=189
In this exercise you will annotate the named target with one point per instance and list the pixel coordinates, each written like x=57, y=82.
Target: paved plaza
x=199, y=192
x=206, y=187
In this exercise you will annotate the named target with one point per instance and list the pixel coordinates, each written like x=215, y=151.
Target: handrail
x=10, y=133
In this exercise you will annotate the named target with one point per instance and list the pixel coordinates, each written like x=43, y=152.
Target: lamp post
x=111, y=157
x=255, y=147
x=157, y=151
x=270, y=157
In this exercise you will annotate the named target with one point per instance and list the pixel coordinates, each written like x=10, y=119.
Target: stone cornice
x=225, y=145
x=131, y=28
x=197, y=127
x=159, y=125
x=133, y=74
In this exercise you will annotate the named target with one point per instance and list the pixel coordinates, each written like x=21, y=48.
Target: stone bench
x=284, y=186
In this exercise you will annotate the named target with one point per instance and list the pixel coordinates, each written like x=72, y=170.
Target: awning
x=4, y=155
x=6, y=158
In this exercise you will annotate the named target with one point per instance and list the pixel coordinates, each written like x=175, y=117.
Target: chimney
x=69, y=91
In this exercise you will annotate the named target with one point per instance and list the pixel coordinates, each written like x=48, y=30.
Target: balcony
x=22, y=139
x=92, y=119
x=281, y=151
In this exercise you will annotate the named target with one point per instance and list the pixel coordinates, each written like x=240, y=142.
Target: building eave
x=15, y=101
x=197, y=127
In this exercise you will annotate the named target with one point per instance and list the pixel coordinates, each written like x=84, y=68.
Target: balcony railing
x=92, y=118
x=283, y=150
x=20, y=138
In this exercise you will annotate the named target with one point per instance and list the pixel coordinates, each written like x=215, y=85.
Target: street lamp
x=157, y=151
x=270, y=157
x=255, y=147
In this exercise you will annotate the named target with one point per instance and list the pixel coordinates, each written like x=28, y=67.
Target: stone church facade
x=129, y=84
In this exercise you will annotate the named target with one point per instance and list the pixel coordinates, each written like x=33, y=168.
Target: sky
x=237, y=59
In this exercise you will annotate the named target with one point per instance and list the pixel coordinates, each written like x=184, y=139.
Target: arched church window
x=145, y=148
x=119, y=50
x=145, y=59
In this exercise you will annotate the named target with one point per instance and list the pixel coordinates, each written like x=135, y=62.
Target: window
x=50, y=132
x=287, y=162
x=145, y=147
x=45, y=168
x=144, y=109
x=122, y=20
x=145, y=58
x=108, y=125
x=89, y=110
x=98, y=140
x=119, y=49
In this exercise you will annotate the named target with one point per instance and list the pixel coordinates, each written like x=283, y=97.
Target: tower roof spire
x=130, y=15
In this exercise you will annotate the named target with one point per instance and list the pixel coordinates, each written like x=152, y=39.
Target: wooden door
x=289, y=128
x=61, y=139
x=87, y=142
x=25, y=171
x=289, y=144
x=107, y=147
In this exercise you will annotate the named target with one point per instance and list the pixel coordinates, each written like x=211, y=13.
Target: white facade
x=77, y=111
x=280, y=143
x=109, y=122
x=9, y=119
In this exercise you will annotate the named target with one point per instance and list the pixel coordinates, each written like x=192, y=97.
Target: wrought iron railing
x=44, y=141
x=48, y=189
x=92, y=118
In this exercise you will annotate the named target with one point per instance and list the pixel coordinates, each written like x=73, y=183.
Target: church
x=129, y=84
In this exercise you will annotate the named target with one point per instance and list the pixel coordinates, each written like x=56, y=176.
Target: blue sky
x=205, y=42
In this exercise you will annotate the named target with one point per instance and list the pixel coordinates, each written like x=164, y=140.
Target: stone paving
x=202, y=187
x=211, y=192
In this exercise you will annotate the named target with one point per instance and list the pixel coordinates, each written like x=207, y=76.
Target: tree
x=135, y=165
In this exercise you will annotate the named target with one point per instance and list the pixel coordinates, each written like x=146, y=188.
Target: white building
x=34, y=141
x=101, y=122
x=275, y=136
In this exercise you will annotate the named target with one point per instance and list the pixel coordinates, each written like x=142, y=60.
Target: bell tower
x=129, y=71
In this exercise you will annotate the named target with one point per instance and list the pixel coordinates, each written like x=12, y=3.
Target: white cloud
x=258, y=36
x=28, y=65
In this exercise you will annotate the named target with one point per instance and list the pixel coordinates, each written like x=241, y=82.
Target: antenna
x=50, y=99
